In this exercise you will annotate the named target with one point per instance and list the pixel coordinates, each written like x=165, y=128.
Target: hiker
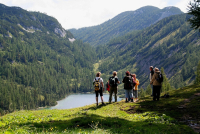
x=99, y=87
x=108, y=86
x=113, y=81
x=156, y=85
x=151, y=76
x=135, y=88
x=128, y=86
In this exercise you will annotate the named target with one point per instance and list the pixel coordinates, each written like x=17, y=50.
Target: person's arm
x=102, y=85
x=123, y=80
x=134, y=80
x=117, y=80
x=150, y=76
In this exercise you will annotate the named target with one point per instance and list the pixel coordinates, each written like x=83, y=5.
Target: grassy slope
x=169, y=115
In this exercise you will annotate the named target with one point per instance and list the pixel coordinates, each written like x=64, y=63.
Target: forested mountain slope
x=123, y=23
x=169, y=43
x=40, y=62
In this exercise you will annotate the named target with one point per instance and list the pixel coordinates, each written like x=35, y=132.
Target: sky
x=85, y=13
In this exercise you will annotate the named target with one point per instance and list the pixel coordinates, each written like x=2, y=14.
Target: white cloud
x=83, y=13
x=183, y=5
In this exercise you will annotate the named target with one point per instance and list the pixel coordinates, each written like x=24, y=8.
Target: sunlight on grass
x=145, y=116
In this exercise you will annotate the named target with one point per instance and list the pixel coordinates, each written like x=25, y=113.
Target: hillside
x=32, y=21
x=40, y=62
x=122, y=24
x=175, y=114
x=169, y=43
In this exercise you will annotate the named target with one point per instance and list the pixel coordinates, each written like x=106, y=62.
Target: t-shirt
x=101, y=80
x=136, y=85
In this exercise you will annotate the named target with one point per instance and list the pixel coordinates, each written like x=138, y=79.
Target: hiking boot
x=97, y=104
x=131, y=100
x=103, y=103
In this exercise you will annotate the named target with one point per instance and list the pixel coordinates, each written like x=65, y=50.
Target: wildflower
x=77, y=125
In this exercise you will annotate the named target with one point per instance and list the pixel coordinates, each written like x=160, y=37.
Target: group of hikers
x=130, y=85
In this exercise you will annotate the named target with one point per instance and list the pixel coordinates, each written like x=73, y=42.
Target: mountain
x=169, y=43
x=123, y=23
x=40, y=62
x=32, y=21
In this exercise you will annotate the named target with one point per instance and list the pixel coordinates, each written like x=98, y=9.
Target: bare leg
x=102, y=98
x=97, y=100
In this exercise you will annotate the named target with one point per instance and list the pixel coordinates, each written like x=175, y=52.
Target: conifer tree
x=148, y=90
x=165, y=84
x=142, y=93
x=197, y=80
x=194, y=9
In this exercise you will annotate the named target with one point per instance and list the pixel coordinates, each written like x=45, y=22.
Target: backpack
x=112, y=81
x=160, y=78
x=107, y=87
x=97, y=84
x=130, y=83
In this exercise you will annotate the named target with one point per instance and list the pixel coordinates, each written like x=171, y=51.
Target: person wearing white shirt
x=100, y=91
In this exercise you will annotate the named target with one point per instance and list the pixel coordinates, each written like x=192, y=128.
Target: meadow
x=177, y=114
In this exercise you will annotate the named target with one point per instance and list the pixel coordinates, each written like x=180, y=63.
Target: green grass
x=146, y=116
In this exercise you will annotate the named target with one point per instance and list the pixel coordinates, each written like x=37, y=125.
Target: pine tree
x=197, y=80
x=194, y=9
x=165, y=84
x=148, y=90
x=142, y=93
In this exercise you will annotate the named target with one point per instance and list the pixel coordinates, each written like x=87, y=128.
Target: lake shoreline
x=81, y=93
x=79, y=100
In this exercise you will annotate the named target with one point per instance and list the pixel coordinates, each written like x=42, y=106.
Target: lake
x=79, y=100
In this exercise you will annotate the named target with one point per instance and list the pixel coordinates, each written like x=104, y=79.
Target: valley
x=41, y=62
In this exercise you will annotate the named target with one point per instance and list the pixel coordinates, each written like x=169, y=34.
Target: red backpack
x=107, y=87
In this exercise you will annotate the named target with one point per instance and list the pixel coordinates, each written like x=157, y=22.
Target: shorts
x=129, y=93
x=99, y=92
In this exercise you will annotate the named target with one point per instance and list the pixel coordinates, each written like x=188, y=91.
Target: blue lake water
x=79, y=100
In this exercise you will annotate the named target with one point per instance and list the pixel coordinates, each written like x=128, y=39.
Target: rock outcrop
x=62, y=32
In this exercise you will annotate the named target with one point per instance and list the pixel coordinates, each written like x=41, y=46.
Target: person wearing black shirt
x=113, y=87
